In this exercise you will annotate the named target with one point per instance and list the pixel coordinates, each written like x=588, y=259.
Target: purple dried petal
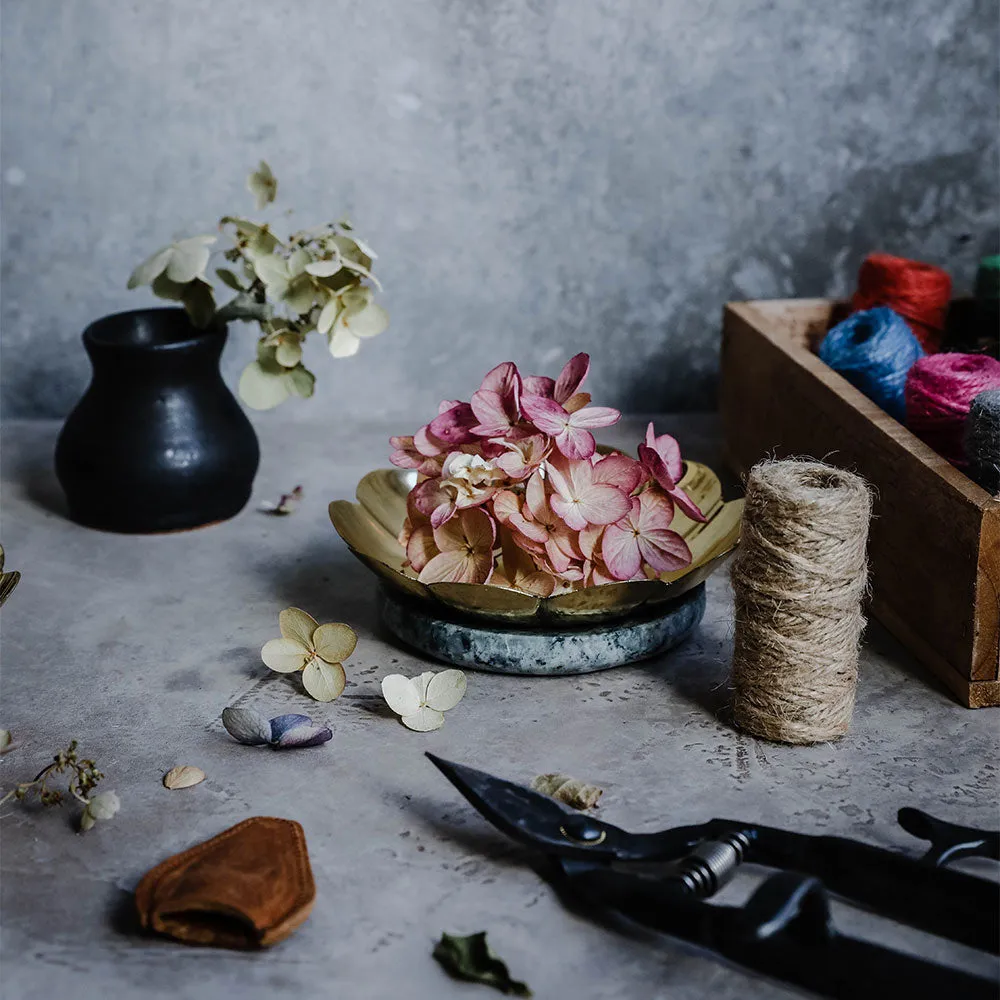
x=246, y=726
x=303, y=734
x=280, y=724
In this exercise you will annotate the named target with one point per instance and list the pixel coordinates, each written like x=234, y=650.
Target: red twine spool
x=939, y=392
x=918, y=292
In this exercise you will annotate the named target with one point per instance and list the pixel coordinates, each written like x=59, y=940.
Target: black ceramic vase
x=158, y=442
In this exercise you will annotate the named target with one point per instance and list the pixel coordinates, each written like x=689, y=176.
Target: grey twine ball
x=982, y=440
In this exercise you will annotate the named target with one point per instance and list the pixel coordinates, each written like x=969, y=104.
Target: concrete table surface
x=134, y=645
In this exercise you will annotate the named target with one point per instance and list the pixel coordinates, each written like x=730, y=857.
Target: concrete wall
x=539, y=176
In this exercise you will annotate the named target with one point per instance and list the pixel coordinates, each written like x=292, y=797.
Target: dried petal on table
x=247, y=726
x=283, y=732
x=288, y=503
x=470, y=958
x=295, y=730
x=421, y=702
x=317, y=650
x=574, y=793
x=183, y=776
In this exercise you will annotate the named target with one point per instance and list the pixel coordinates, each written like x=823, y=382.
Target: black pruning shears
x=785, y=930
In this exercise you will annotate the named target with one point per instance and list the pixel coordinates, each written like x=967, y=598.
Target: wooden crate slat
x=935, y=538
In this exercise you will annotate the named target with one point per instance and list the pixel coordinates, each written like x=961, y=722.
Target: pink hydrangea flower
x=581, y=496
x=517, y=467
x=454, y=424
x=661, y=457
x=497, y=402
x=523, y=456
x=644, y=535
x=465, y=550
x=570, y=431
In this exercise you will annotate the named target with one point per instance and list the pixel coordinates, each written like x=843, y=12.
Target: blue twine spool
x=874, y=350
x=982, y=440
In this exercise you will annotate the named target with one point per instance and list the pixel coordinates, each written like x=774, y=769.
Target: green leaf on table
x=470, y=958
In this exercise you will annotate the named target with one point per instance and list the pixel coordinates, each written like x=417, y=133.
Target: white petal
x=356, y=299
x=324, y=268
x=423, y=682
x=424, y=720
x=445, y=690
x=189, y=258
x=260, y=389
x=150, y=268
x=324, y=681
x=288, y=353
x=298, y=625
x=401, y=694
x=364, y=248
x=370, y=322
x=328, y=315
x=297, y=262
x=300, y=294
x=272, y=271
x=335, y=641
x=343, y=343
x=284, y=656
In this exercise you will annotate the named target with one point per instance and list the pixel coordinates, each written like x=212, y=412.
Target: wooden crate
x=935, y=537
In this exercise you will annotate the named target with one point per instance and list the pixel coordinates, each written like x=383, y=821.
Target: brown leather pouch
x=249, y=887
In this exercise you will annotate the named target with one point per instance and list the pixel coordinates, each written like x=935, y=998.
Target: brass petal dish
x=370, y=528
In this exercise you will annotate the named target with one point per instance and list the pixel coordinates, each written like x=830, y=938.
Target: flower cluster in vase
x=317, y=279
x=512, y=490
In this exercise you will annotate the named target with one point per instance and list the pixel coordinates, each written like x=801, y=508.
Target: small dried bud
x=576, y=794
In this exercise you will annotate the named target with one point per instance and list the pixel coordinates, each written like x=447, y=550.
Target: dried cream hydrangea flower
x=422, y=701
x=263, y=185
x=102, y=806
x=180, y=262
x=317, y=650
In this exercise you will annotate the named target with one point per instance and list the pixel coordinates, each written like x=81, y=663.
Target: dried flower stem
x=84, y=778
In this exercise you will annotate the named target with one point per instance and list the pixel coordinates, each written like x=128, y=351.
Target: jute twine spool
x=798, y=577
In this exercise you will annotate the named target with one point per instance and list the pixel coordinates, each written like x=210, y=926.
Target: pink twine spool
x=939, y=392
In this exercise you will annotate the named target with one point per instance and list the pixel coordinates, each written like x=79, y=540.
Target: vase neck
x=153, y=343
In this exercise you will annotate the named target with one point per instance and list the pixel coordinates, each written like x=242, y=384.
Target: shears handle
x=785, y=931
x=942, y=901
